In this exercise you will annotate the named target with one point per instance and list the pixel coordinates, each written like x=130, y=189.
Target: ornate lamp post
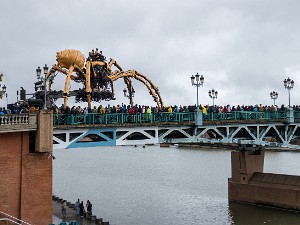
x=213, y=94
x=45, y=79
x=2, y=91
x=274, y=96
x=129, y=95
x=199, y=82
x=289, y=84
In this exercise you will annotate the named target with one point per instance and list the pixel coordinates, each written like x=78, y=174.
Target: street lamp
x=45, y=79
x=289, y=84
x=213, y=94
x=199, y=82
x=2, y=91
x=274, y=96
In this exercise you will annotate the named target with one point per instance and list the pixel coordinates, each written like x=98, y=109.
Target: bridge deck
x=259, y=128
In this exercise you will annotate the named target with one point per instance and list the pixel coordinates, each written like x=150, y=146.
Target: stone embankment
x=72, y=217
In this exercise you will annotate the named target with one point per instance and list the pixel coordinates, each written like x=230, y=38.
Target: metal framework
x=268, y=134
x=104, y=137
x=274, y=135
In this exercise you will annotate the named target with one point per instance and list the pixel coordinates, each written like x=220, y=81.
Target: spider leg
x=153, y=90
x=67, y=85
x=88, y=83
x=128, y=83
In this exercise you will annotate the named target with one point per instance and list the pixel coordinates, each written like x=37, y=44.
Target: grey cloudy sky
x=244, y=48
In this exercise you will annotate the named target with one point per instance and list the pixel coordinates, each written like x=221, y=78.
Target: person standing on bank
x=77, y=203
x=64, y=208
x=81, y=209
x=89, y=208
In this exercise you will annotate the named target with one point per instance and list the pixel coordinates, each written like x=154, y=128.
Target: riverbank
x=71, y=215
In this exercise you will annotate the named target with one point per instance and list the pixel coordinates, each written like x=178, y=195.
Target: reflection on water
x=163, y=186
x=246, y=214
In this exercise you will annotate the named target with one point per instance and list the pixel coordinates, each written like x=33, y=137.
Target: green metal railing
x=247, y=115
x=165, y=117
x=120, y=118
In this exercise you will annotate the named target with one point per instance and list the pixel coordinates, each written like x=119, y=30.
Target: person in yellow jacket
x=204, y=110
x=102, y=109
x=170, y=109
x=148, y=113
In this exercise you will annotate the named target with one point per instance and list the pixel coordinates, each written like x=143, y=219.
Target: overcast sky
x=244, y=48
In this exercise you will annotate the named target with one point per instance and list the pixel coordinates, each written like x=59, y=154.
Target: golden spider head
x=70, y=57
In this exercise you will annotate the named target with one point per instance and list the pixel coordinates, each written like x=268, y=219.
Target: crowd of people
x=77, y=110
x=19, y=110
x=144, y=109
x=80, y=209
x=79, y=206
x=96, y=55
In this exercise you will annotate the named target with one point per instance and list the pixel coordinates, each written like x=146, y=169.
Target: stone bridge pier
x=249, y=184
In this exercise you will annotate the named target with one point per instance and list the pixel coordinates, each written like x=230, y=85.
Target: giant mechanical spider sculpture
x=97, y=76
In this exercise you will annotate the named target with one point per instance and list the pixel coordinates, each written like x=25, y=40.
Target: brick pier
x=26, y=167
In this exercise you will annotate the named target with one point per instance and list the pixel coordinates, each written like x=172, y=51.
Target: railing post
x=198, y=117
x=122, y=120
x=44, y=134
x=86, y=119
x=105, y=119
x=32, y=118
x=93, y=118
x=290, y=115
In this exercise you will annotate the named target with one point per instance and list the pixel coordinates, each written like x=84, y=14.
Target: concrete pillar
x=44, y=133
x=32, y=119
x=245, y=164
x=198, y=117
x=290, y=115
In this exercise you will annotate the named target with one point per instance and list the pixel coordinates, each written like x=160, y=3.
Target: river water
x=153, y=185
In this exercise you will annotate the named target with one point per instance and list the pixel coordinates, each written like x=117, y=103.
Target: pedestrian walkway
x=71, y=216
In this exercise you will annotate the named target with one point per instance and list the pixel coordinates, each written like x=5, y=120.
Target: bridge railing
x=174, y=117
x=248, y=115
x=14, y=119
x=120, y=118
x=14, y=122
